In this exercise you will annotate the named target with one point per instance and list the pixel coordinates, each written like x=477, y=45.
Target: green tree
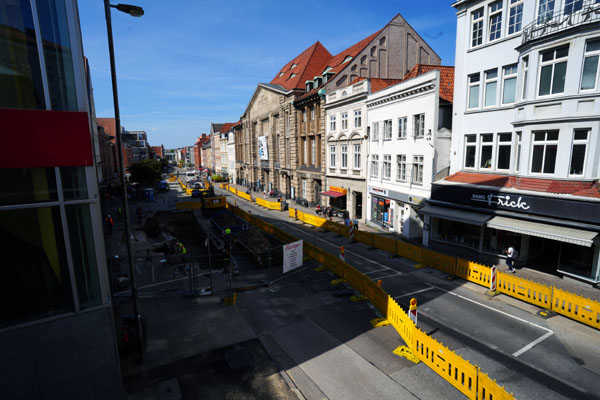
x=145, y=172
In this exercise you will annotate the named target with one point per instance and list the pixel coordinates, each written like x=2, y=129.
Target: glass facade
x=27, y=185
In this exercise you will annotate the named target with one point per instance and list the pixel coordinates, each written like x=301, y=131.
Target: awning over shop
x=453, y=214
x=553, y=232
x=332, y=193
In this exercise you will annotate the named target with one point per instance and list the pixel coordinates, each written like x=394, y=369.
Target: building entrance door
x=358, y=204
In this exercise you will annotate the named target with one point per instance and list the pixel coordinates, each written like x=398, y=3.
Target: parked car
x=163, y=186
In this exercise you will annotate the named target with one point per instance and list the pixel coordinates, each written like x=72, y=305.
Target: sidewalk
x=568, y=284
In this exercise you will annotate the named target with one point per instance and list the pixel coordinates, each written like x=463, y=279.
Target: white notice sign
x=292, y=256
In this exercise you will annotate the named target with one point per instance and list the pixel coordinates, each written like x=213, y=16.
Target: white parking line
x=377, y=270
x=415, y=292
x=387, y=276
x=530, y=345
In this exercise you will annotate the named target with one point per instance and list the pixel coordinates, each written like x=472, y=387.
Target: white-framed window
x=304, y=188
x=486, y=150
x=515, y=16
x=545, y=10
x=543, y=152
x=313, y=151
x=357, y=118
x=477, y=27
x=578, y=151
x=344, y=118
x=589, y=76
x=332, y=156
x=332, y=123
x=401, y=165
x=504, y=151
x=418, y=169
x=470, y=150
x=525, y=69
x=495, y=18
x=518, y=152
x=509, y=84
x=375, y=132
x=312, y=113
x=419, y=125
x=375, y=165
x=387, y=166
x=357, y=156
x=491, y=85
x=572, y=6
x=305, y=151
x=402, y=127
x=387, y=129
x=553, y=70
x=344, y=153
x=474, y=83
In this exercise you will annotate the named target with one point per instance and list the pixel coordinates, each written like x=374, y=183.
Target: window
x=553, y=71
x=344, y=149
x=304, y=188
x=401, y=164
x=332, y=123
x=374, y=165
x=304, y=115
x=357, y=118
x=332, y=156
x=580, y=141
x=590, y=64
x=402, y=127
x=518, y=152
x=357, y=156
x=419, y=125
x=525, y=67
x=573, y=5
x=418, y=169
x=491, y=83
x=473, y=91
x=312, y=113
x=313, y=151
x=387, y=166
x=545, y=10
x=375, y=133
x=504, y=151
x=344, y=121
x=545, y=145
x=495, y=12
x=305, y=151
x=509, y=84
x=515, y=16
x=387, y=129
x=477, y=24
x=486, y=150
x=470, y=150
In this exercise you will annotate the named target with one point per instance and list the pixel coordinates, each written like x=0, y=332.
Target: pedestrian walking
x=330, y=213
x=108, y=221
x=355, y=222
x=511, y=254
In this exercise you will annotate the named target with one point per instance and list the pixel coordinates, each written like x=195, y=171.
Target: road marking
x=387, y=276
x=530, y=345
x=415, y=292
x=491, y=308
x=377, y=270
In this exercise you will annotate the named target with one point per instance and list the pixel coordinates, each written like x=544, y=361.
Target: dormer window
x=291, y=76
x=281, y=74
x=293, y=66
x=348, y=58
x=318, y=81
x=327, y=76
x=309, y=86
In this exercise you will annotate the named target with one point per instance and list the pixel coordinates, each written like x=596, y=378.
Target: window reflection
x=27, y=185
x=73, y=183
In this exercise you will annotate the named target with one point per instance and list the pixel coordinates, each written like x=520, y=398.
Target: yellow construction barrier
x=271, y=205
x=576, y=307
x=523, y=289
x=488, y=389
x=386, y=244
x=244, y=195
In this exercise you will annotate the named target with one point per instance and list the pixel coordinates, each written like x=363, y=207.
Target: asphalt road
x=534, y=358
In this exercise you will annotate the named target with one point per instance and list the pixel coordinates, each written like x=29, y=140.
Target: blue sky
x=188, y=63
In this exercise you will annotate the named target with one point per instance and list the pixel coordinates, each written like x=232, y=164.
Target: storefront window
x=34, y=277
x=380, y=211
x=456, y=232
x=497, y=241
x=27, y=185
x=20, y=73
x=84, y=255
x=577, y=260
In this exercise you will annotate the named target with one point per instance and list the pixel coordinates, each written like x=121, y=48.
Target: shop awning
x=332, y=193
x=553, y=232
x=453, y=214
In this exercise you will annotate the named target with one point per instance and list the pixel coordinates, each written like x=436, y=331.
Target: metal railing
x=575, y=14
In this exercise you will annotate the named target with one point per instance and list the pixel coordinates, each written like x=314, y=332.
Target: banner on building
x=292, y=256
x=263, y=153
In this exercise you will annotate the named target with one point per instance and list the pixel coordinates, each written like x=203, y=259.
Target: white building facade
x=409, y=144
x=346, y=148
x=525, y=150
x=231, y=157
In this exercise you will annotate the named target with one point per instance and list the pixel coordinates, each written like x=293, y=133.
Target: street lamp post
x=136, y=12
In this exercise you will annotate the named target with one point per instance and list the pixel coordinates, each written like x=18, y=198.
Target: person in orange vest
x=108, y=221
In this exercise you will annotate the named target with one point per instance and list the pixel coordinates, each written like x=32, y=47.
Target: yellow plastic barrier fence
x=456, y=370
x=400, y=321
x=478, y=273
x=439, y=261
x=488, y=389
x=244, y=195
x=410, y=251
x=526, y=290
x=271, y=205
x=386, y=244
x=377, y=296
x=576, y=307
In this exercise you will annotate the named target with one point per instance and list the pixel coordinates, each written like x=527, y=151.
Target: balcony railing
x=574, y=14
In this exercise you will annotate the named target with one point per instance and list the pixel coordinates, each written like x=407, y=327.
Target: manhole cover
x=238, y=358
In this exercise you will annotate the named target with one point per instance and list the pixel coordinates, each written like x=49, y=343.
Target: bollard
x=493, y=282
x=342, y=255
x=412, y=311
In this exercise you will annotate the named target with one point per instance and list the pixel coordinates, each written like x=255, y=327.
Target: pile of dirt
x=227, y=220
x=181, y=225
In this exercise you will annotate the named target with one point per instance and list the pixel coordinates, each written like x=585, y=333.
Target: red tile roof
x=576, y=188
x=227, y=126
x=310, y=63
x=446, y=78
x=378, y=84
